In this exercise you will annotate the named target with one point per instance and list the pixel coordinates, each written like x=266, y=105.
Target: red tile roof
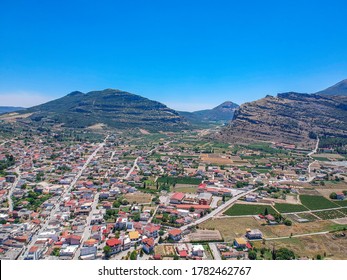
x=113, y=242
x=178, y=196
x=175, y=232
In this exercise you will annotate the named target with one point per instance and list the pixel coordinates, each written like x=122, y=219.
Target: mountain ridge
x=115, y=108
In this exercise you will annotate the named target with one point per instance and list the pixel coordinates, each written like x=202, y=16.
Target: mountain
x=222, y=113
x=290, y=117
x=9, y=109
x=338, y=89
x=114, y=108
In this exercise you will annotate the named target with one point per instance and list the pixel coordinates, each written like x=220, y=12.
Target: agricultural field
x=179, y=180
x=248, y=209
x=234, y=227
x=185, y=188
x=307, y=216
x=165, y=250
x=290, y=208
x=139, y=197
x=329, y=214
x=343, y=210
x=215, y=159
x=205, y=235
x=315, y=202
x=342, y=203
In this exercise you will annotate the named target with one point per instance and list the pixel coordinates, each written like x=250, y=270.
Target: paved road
x=56, y=206
x=215, y=251
x=10, y=192
x=86, y=232
x=132, y=168
x=217, y=210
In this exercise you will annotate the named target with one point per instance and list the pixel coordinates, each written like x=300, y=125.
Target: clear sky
x=187, y=54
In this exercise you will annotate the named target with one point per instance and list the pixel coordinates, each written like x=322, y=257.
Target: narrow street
x=56, y=207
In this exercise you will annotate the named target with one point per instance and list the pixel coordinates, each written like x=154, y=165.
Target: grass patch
x=289, y=208
x=248, y=209
x=316, y=202
x=179, y=180
x=341, y=202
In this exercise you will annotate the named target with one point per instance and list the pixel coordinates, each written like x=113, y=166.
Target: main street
x=10, y=192
x=86, y=232
x=56, y=206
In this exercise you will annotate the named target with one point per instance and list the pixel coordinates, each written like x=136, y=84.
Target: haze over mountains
x=9, y=109
x=222, y=113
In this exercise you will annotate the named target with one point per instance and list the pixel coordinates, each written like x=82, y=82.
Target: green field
x=316, y=202
x=343, y=210
x=289, y=208
x=179, y=180
x=248, y=209
x=341, y=202
x=329, y=214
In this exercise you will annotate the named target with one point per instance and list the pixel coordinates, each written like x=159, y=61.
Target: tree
x=287, y=222
x=284, y=254
x=191, y=209
x=252, y=255
x=107, y=251
x=160, y=240
x=333, y=195
x=266, y=212
x=133, y=255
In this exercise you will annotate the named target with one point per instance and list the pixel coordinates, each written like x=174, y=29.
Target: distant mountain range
x=337, y=89
x=222, y=113
x=113, y=108
x=9, y=109
x=122, y=110
x=290, y=117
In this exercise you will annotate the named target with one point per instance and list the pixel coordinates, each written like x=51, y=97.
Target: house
x=115, y=245
x=151, y=230
x=121, y=223
x=126, y=243
x=240, y=243
x=73, y=239
x=254, y=234
x=88, y=251
x=148, y=245
x=134, y=237
x=198, y=251
x=251, y=198
x=177, y=198
x=68, y=250
x=340, y=196
x=234, y=254
x=97, y=219
x=205, y=198
x=35, y=253
x=175, y=234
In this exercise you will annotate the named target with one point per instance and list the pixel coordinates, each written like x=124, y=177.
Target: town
x=141, y=195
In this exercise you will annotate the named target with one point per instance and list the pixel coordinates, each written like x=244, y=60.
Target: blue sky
x=187, y=54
